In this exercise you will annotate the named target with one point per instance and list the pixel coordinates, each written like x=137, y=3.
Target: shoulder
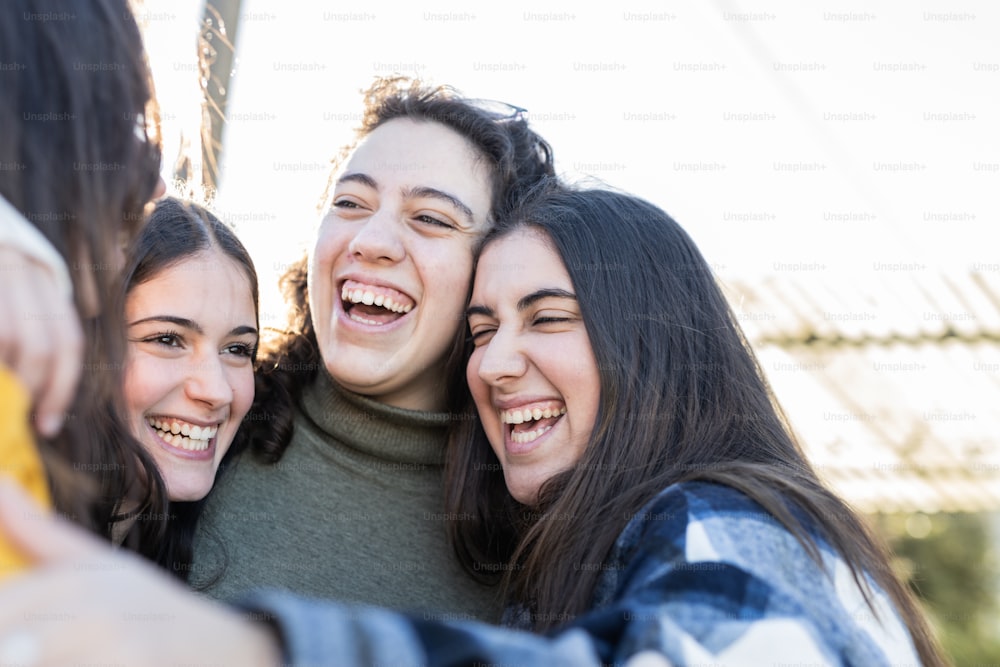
x=680, y=508
x=700, y=529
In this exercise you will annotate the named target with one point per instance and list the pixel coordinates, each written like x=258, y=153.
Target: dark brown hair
x=164, y=531
x=77, y=108
x=517, y=158
x=682, y=398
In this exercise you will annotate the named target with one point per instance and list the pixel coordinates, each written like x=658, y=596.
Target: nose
x=377, y=239
x=501, y=360
x=208, y=383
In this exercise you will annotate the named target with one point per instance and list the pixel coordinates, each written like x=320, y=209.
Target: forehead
x=520, y=262
x=407, y=153
x=208, y=281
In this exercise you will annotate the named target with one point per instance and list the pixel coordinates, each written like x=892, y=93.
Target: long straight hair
x=516, y=158
x=163, y=531
x=682, y=398
x=81, y=159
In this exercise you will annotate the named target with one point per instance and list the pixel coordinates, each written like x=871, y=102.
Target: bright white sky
x=824, y=136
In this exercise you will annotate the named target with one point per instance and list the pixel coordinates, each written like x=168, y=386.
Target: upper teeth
x=529, y=414
x=369, y=298
x=182, y=434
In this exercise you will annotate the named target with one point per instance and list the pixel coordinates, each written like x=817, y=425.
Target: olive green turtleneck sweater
x=353, y=511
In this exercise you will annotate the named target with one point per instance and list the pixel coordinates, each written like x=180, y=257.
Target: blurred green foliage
x=951, y=562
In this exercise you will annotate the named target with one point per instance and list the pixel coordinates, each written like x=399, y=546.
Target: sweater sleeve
x=676, y=601
x=19, y=460
x=19, y=234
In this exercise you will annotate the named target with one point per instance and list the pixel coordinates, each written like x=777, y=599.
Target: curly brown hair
x=518, y=159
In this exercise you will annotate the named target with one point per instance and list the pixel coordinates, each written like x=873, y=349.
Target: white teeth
x=369, y=298
x=529, y=436
x=358, y=318
x=527, y=415
x=186, y=436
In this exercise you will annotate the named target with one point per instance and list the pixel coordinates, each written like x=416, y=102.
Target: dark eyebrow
x=524, y=302
x=364, y=179
x=444, y=196
x=479, y=310
x=191, y=324
x=241, y=330
x=179, y=321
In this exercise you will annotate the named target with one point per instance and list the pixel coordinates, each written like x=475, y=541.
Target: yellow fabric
x=19, y=459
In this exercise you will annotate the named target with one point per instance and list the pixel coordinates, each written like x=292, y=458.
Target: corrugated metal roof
x=892, y=383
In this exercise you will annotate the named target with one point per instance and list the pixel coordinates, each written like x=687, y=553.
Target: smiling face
x=393, y=257
x=532, y=373
x=189, y=370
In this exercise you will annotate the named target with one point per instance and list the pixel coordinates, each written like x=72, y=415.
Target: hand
x=40, y=337
x=85, y=603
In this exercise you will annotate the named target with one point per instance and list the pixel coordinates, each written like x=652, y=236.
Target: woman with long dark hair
x=632, y=467
x=191, y=318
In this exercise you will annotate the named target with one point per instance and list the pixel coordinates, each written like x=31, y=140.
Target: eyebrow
x=524, y=302
x=419, y=191
x=364, y=179
x=444, y=196
x=192, y=325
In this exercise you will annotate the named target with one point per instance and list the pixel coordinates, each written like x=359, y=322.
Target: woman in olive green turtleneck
x=341, y=494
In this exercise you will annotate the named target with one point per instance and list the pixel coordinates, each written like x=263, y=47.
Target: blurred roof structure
x=892, y=385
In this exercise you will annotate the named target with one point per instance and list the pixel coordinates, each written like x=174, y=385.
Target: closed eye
x=431, y=220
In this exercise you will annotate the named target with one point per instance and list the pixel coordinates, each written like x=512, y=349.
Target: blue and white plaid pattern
x=701, y=576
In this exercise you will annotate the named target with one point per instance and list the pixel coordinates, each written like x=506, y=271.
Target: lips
x=374, y=305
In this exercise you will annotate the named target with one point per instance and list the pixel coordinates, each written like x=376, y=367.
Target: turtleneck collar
x=373, y=428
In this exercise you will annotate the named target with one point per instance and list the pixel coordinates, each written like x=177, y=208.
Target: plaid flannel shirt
x=701, y=576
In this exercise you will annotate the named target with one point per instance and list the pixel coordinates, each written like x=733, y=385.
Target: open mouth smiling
x=527, y=424
x=374, y=305
x=182, y=435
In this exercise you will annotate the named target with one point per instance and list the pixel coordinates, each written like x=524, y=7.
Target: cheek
x=143, y=384
x=242, y=382
x=478, y=388
x=481, y=396
x=446, y=272
x=328, y=246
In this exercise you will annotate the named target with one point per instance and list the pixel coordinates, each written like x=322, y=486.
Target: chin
x=188, y=495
